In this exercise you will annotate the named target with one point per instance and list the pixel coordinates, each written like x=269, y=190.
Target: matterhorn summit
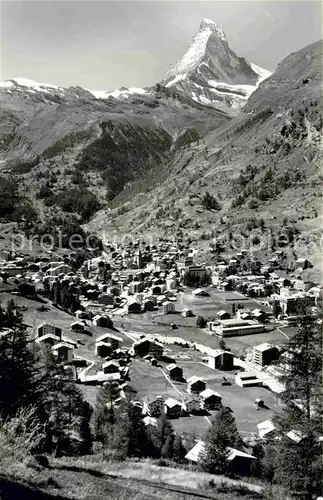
x=212, y=73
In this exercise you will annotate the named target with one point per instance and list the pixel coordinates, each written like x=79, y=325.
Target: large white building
x=235, y=327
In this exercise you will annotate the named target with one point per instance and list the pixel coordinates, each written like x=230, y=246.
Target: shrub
x=201, y=322
x=253, y=204
x=20, y=435
x=44, y=192
x=210, y=202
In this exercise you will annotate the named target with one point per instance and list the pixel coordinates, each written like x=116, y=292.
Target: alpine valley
x=142, y=161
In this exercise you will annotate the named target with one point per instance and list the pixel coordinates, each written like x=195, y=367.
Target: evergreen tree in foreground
x=18, y=372
x=179, y=450
x=64, y=409
x=222, y=434
x=299, y=465
x=163, y=437
x=130, y=437
x=104, y=415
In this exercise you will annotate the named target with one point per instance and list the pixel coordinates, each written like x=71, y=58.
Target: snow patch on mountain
x=30, y=85
x=263, y=73
x=176, y=79
x=194, y=54
x=123, y=92
x=215, y=28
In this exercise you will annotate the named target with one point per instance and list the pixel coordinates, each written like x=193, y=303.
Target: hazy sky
x=103, y=45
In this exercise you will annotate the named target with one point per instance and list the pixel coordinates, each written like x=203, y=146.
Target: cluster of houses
x=198, y=398
x=141, y=277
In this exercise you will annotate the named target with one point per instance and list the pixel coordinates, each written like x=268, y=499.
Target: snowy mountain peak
x=208, y=24
x=211, y=73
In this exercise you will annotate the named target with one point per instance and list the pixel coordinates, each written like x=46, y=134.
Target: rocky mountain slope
x=212, y=73
x=263, y=168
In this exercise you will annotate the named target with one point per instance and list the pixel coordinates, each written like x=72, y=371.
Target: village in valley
x=182, y=338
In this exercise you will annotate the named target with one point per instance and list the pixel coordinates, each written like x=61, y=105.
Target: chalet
x=134, y=307
x=295, y=436
x=103, y=349
x=259, y=315
x=82, y=314
x=168, y=307
x=102, y=321
x=266, y=429
x=224, y=286
x=148, y=305
x=191, y=404
x=210, y=400
x=221, y=359
x=111, y=367
x=107, y=299
x=175, y=372
x=195, y=385
x=153, y=406
x=173, y=408
x=110, y=338
x=239, y=461
x=243, y=314
x=196, y=271
x=78, y=326
x=171, y=283
x=48, y=328
x=144, y=346
x=223, y=315
x=137, y=286
x=63, y=351
x=264, y=354
x=187, y=313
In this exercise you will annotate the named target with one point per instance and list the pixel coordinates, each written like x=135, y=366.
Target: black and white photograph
x=161, y=241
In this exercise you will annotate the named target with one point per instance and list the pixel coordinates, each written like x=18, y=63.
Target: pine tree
x=163, y=434
x=18, y=386
x=300, y=465
x=167, y=450
x=201, y=322
x=130, y=437
x=179, y=450
x=214, y=458
x=257, y=465
x=222, y=434
x=64, y=409
x=104, y=415
x=138, y=441
x=121, y=433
